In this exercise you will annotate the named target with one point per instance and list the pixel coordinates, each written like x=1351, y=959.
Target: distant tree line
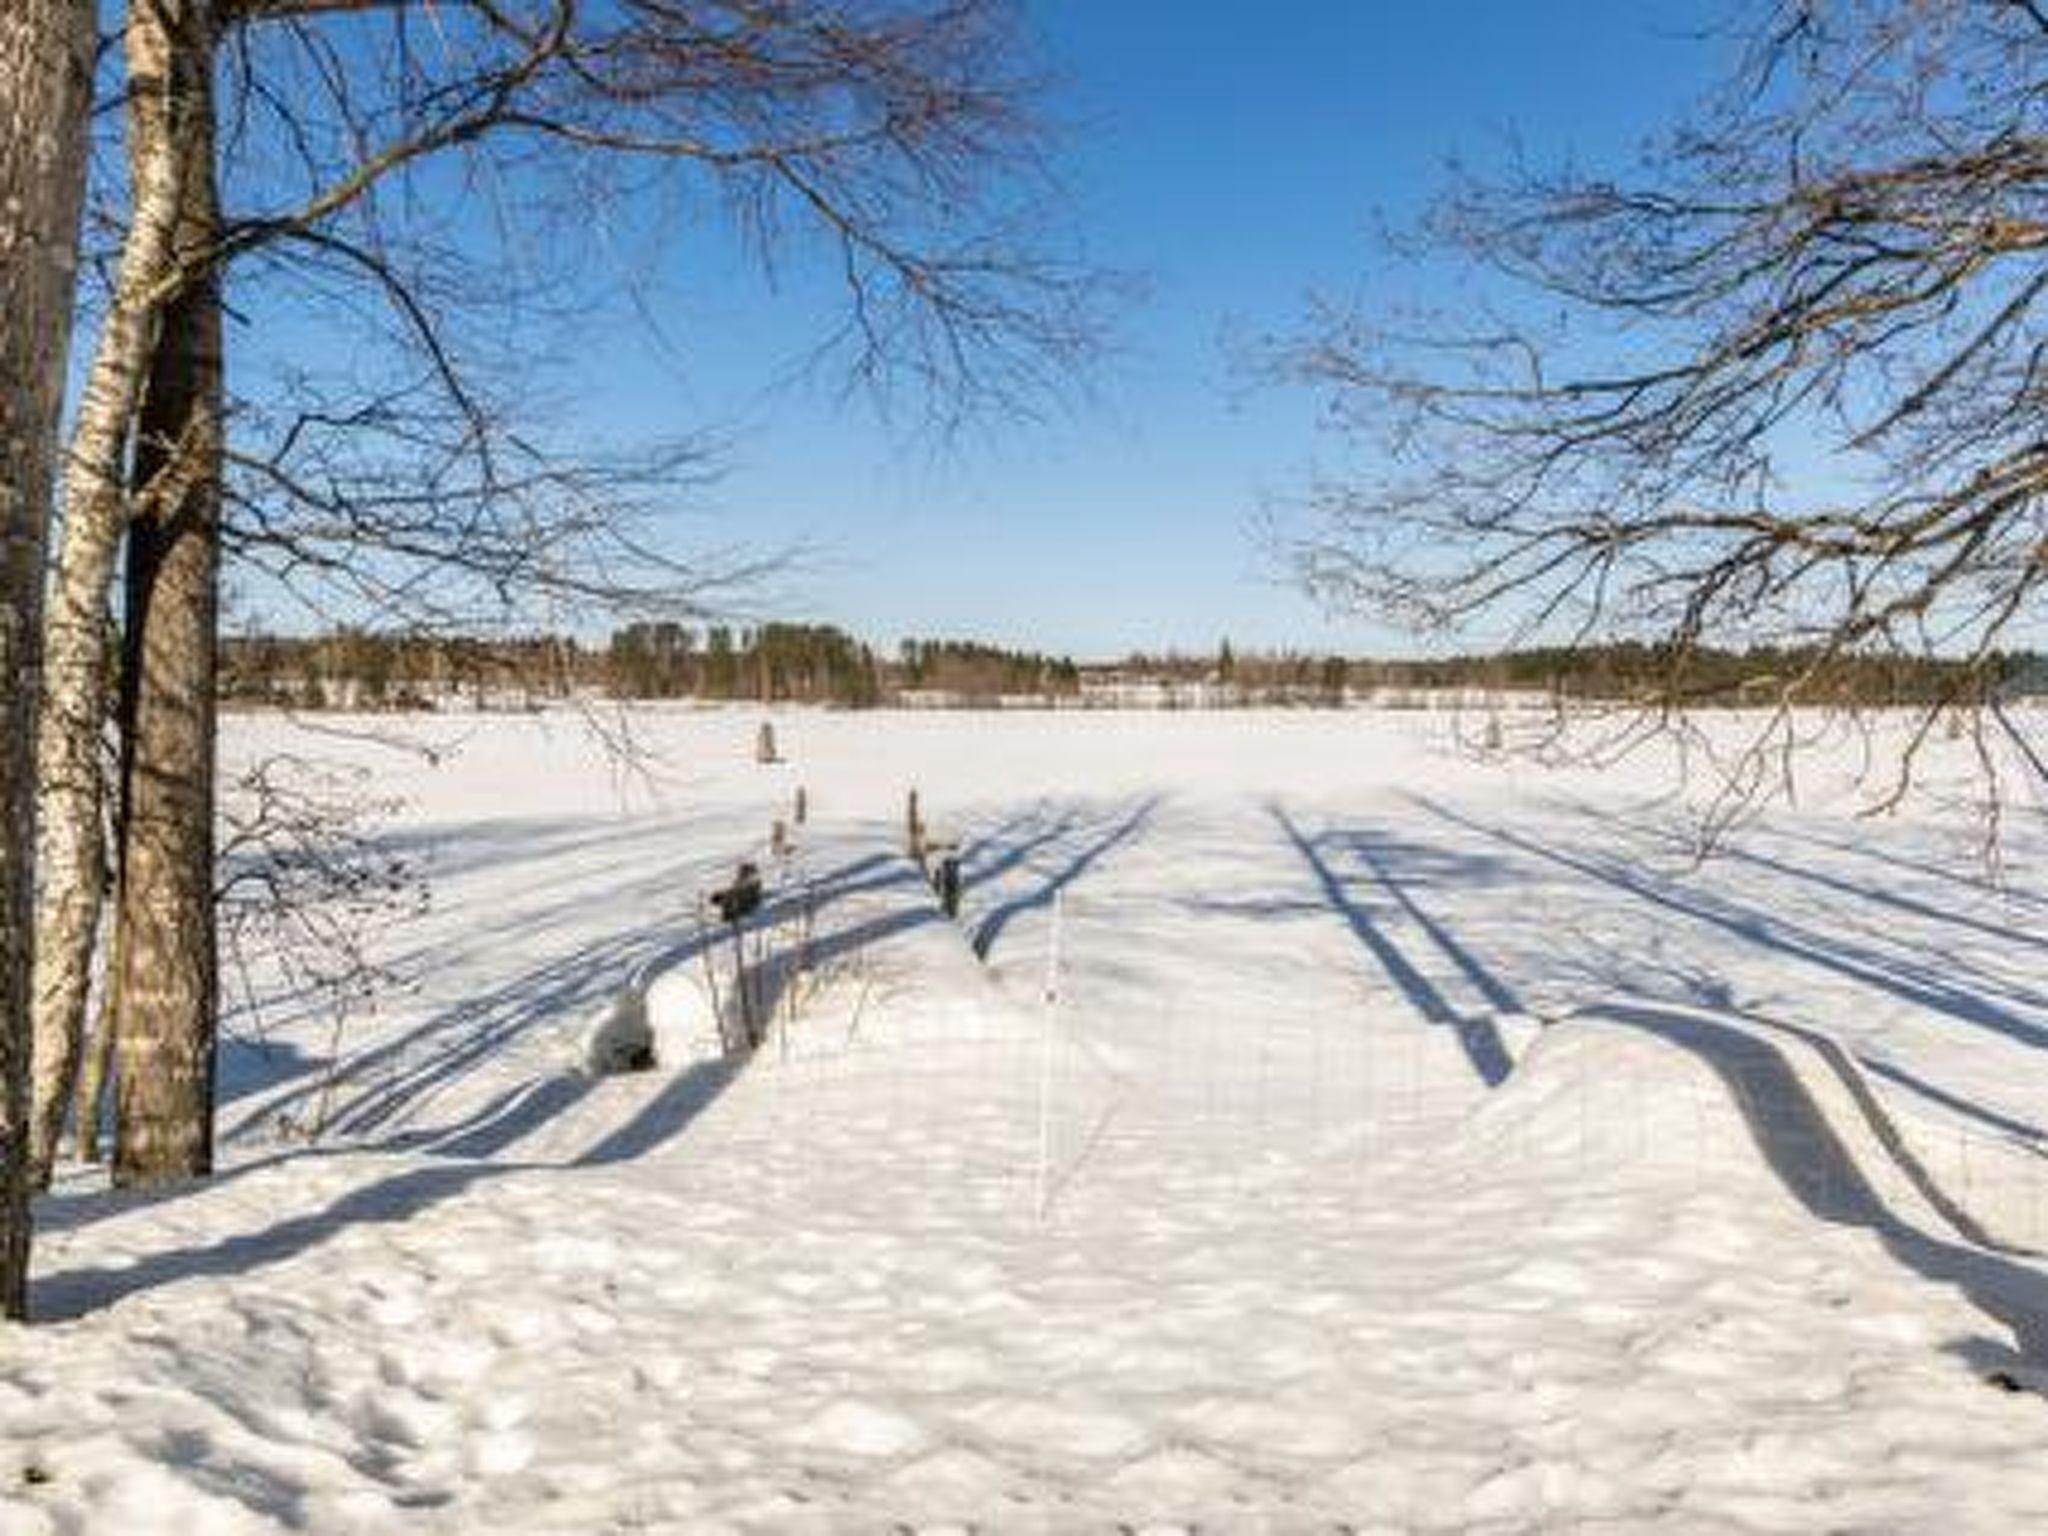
x=971, y=670
x=800, y=663
x=365, y=669
x=1706, y=676
x=1231, y=678
x=822, y=664
x=353, y=668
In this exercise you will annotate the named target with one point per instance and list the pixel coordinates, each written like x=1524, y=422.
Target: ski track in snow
x=1337, y=1233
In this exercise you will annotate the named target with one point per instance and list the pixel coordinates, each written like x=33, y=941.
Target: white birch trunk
x=71, y=767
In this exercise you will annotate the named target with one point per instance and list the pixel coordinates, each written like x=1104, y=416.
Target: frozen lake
x=1305, y=1124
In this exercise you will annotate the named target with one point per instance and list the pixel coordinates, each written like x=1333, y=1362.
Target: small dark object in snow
x=946, y=881
x=742, y=897
x=35, y=1476
x=913, y=831
x=2005, y=1381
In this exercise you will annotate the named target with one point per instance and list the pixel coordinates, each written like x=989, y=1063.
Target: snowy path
x=1334, y=1239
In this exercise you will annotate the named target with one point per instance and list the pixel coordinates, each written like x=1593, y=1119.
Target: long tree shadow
x=1975, y=883
x=1696, y=986
x=1895, y=901
x=500, y=924
x=1768, y=931
x=1380, y=859
x=395, y=1076
x=453, y=849
x=989, y=931
x=685, y=1096
x=1878, y=895
x=514, y=1115
x=1476, y=1035
x=1627, y=976
x=255, y=1065
x=472, y=1148
x=72, y=1293
x=507, y=1117
x=994, y=851
x=1809, y=1159
x=371, y=1087
x=2008, y=1124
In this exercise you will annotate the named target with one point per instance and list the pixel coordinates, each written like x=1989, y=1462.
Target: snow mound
x=668, y=1019
x=683, y=1017
x=1727, y=1097
x=882, y=968
x=621, y=1039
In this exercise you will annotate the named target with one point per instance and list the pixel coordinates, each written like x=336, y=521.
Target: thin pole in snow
x=704, y=951
x=1051, y=1000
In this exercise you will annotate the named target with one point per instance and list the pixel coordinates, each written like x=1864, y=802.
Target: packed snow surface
x=1305, y=1125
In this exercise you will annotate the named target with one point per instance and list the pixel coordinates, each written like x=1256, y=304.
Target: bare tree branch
x=1784, y=389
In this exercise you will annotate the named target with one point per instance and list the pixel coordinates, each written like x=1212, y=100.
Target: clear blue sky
x=1234, y=157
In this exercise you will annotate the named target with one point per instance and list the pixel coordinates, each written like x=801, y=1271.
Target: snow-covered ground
x=1410, y=1142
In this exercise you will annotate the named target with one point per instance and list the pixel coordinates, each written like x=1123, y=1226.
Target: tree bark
x=166, y=984
x=46, y=49
x=167, y=86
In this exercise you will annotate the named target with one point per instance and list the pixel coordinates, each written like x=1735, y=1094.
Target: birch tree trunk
x=165, y=979
x=71, y=771
x=46, y=51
